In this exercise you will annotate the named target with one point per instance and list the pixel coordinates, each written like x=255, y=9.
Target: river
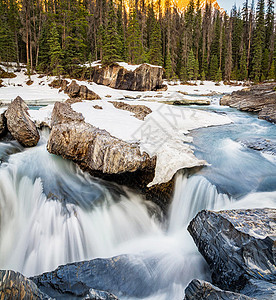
x=52, y=213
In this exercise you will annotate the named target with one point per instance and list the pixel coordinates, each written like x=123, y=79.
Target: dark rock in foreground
x=260, y=99
x=238, y=245
x=124, y=275
x=143, y=78
x=19, y=124
x=199, y=290
x=14, y=285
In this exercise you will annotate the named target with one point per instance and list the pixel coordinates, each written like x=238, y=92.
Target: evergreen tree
x=120, y=31
x=168, y=65
x=112, y=46
x=243, y=66
x=258, y=40
x=214, y=67
x=134, y=40
x=55, y=51
x=155, y=43
x=192, y=66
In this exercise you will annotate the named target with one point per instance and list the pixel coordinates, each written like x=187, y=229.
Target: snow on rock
x=163, y=133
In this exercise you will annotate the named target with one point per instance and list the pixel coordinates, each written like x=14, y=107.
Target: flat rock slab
x=200, y=289
x=238, y=245
x=260, y=99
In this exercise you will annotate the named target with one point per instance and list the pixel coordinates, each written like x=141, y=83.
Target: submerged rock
x=123, y=275
x=19, y=124
x=259, y=144
x=238, y=245
x=14, y=285
x=260, y=99
x=99, y=295
x=200, y=289
x=143, y=78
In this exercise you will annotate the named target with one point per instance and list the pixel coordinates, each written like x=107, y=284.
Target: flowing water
x=52, y=213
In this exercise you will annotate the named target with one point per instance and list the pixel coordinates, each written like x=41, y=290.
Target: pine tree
x=192, y=66
x=55, y=51
x=134, y=40
x=258, y=40
x=228, y=58
x=168, y=65
x=155, y=43
x=112, y=46
x=214, y=67
x=120, y=32
x=243, y=66
x=271, y=73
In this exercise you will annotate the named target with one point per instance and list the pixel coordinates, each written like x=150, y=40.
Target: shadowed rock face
x=20, y=125
x=238, y=245
x=3, y=124
x=14, y=285
x=199, y=290
x=144, y=78
x=260, y=99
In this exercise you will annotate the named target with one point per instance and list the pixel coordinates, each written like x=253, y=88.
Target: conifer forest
x=58, y=36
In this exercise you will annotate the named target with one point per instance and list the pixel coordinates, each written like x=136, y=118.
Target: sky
x=228, y=4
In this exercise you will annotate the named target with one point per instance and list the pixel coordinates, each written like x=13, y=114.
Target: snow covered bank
x=163, y=133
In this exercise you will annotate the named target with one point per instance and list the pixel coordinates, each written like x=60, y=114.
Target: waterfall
x=52, y=213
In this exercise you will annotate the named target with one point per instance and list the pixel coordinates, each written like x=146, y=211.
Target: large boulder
x=123, y=275
x=92, y=148
x=238, y=245
x=14, y=285
x=143, y=78
x=203, y=290
x=76, y=91
x=20, y=125
x=139, y=111
x=99, y=295
x=260, y=99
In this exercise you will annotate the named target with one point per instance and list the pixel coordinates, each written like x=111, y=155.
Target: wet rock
x=3, y=124
x=97, y=107
x=260, y=99
x=92, y=148
x=203, y=290
x=14, y=285
x=99, y=295
x=143, y=78
x=238, y=245
x=75, y=91
x=123, y=275
x=20, y=125
x=140, y=111
x=259, y=144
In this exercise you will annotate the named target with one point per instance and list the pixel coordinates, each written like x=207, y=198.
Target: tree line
x=57, y=36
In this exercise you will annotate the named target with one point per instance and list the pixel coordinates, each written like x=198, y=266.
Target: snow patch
x=163, y=133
